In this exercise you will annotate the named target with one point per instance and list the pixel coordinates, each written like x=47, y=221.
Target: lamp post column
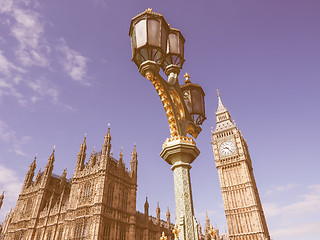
x=180, y=152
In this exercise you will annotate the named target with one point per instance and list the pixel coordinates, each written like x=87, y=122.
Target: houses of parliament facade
x=99, y=202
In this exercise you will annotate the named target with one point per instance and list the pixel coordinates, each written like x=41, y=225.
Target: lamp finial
x=176, y=231
x=187, y=77
x=163, y=237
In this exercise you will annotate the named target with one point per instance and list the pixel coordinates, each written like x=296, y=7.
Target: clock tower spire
x=243, y=209
x=223, y=117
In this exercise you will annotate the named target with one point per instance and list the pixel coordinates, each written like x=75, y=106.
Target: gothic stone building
x=243, y=209
x=99, y=202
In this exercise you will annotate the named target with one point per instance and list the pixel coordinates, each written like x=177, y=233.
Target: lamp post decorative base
x=180, y=152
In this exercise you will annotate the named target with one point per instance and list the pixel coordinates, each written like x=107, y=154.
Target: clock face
x=227, y=148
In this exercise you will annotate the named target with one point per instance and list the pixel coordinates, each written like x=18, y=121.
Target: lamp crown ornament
x=176, y=232
x=187, y=77
x=163, y=236
x=212, y=232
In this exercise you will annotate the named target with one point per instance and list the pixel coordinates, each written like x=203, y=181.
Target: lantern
x=193, y=96
x=148, y=32
x=175, y=49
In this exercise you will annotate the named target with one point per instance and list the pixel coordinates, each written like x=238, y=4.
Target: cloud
x=9, y=79
x=297, y=218
x=26, y=64
x=27, y=28
x=309, y=202
x=10, y=137
x=11, y=183
x=300, y=231
x=100, y=3
x=6, y=5
x=7, y=67
x=8, y=89
x=282, y=188
x=43, y=89
x=73, y=63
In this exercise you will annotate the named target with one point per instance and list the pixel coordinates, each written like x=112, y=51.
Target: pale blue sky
x=65, y=69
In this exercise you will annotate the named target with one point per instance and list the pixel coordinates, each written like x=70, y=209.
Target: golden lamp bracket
x=180, y=122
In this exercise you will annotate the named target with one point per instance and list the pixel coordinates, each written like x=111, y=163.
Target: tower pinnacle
x=33, y=164
x=51, y=158
x=134, y=160
x=1, y=199
x=49, y=167
x=82, y=154
x=158, y=213
x=221, y=108
x=121, y=155
x=106, y=147
x=223, y=118
x=146, y=207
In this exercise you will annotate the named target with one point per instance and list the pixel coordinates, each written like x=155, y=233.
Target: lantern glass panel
x=163, y=38
x=196, y=102
x=141, y=33
x=187, y=100
x=144, y=54
x=154, y=32
x=157, y=56
x=181, y=46
x=138, y=59
x=173, y=46
x=133, y=42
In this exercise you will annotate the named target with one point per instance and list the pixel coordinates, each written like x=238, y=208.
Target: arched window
x=60, y=234
x=123, y=232
x=18, y=235
x=80, y=232
x=85, y=193
x=49, y=235
x=124, y=199
x=107, y=229
x=110, y=195
x=28, y=208
x=38, y=235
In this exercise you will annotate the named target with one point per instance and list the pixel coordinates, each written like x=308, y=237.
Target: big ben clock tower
x=244, y=213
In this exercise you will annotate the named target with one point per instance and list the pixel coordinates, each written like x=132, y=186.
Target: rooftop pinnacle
x=221, y=108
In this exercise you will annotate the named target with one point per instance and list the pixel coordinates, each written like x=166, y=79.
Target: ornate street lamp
x=155, y=45
x=193, y=96
x=149, y=33
x=175, y=51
